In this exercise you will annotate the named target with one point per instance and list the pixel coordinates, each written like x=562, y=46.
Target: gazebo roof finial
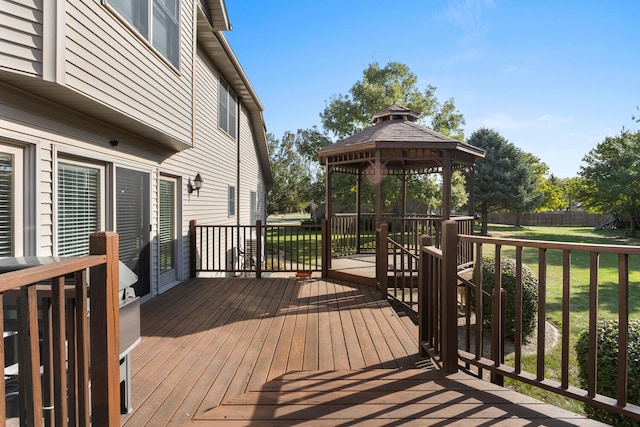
x=395, y=112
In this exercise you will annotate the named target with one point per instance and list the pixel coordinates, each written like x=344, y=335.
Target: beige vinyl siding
x=213, y=156
x=250, y=169
x=45, y=167
x=21, y=36
x=109, y=63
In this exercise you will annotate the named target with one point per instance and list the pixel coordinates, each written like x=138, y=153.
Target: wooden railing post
x=192, y=248
x=326, y=246
x=258, y=249
x=382, y=259
x=104, y=329
x=423, y=281
x=448, y=295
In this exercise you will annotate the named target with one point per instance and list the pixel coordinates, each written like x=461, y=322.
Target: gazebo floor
x=282, y=351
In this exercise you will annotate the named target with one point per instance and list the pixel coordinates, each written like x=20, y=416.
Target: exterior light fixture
x=196, y=186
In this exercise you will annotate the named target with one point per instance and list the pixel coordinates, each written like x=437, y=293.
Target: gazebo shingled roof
x=397, y=145
x=404, y=144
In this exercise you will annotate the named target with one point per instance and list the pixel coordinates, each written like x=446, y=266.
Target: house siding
x=21, y=36
x=95, y=63
x=111, y=64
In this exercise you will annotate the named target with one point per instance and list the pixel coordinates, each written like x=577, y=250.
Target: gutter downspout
x=239, y=109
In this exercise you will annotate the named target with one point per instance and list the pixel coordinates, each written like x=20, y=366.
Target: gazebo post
x=378, y=196
x=446, y=187
x=404, y=194
x=358, y=208
x=472, y=190
x=327, y=213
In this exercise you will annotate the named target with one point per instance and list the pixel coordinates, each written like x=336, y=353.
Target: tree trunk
x=485, y=220
x=517, y=225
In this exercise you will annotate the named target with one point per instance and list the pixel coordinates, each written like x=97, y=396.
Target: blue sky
x=553, y=77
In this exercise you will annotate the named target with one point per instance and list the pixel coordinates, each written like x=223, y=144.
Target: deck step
x=383, y=397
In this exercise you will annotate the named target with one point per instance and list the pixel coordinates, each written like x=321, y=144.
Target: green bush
x=529, y=295
x=607, y=368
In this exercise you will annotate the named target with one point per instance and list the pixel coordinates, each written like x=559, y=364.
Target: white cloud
x=513, y=69
x=463, y=56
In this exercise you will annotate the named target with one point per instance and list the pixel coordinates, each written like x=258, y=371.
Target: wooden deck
x=282, y=351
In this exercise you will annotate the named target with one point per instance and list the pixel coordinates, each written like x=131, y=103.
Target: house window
x=227, y=105
x=80, y=206
x=232, y=200
x=11, y=202
x=253, y=200
x=158, y=21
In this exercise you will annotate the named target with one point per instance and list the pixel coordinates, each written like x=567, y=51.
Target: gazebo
x=397, y=146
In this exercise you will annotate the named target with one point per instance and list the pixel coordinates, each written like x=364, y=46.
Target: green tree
x=347, y=114
x=553, y=194
x=502, y=178
x=611, y=178
x=380, y=87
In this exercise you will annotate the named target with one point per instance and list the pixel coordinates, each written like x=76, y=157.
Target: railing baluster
x=542, y=313
x=31, y=387
x=566, y=307
x=82, y=345
x=518, y=304
x=59, y=351
x=592, y=359
x=497, y=334
x=623, y=327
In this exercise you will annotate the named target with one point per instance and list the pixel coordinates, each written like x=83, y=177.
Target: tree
x=502, y=178
x=380, y=87
x=394, y=83
x=288, y=174
x=612, y=178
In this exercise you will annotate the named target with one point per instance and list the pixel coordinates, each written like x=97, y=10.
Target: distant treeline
x=568, y=218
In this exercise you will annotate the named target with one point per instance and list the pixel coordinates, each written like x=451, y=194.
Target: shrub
x=607, y=368
x=529, y=295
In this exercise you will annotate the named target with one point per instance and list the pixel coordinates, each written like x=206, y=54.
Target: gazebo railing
x=349, y=238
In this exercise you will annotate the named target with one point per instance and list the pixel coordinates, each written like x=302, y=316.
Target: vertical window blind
x=78, y=208
x=6, y=204
x=167, y=225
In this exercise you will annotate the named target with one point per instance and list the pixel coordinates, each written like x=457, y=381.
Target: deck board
x=299, y=352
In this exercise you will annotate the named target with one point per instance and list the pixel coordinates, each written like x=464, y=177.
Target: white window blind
x=227, y=105
x=167, y=225
x=232, y=201
x=78, y=208
x=158, y=21
x=6, y=204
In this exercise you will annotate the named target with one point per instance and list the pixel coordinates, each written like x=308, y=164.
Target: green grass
x=579, y=300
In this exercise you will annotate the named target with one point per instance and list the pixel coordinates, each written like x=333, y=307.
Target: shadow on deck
x=282, y=351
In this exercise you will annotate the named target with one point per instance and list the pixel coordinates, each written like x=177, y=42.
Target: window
x=253, y=200
x=167, y=228
x=79, y=206
x=232, y=201
x=158, y=21
x=227, y=106
x=11, y=203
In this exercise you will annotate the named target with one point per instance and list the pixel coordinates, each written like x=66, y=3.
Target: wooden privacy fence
x=73, y=354
x=558, y=218
x=442, y=329
x=255, y=249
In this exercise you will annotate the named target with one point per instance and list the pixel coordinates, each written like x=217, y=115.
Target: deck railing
x=60, y=396
x=397, y=263
x=255, y=249
x=348, y=237
x=439, y=321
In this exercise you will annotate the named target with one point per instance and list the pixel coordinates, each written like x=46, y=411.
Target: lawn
x=579, y=316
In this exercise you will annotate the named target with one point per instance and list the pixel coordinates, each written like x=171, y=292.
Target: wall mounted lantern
x=196, y=186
